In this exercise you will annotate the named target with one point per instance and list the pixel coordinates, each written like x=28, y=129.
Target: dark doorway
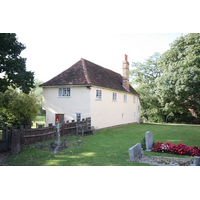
x=61, y=117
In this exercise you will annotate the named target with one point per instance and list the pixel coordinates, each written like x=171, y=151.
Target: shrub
x=143, y=143
x=17, y=108
x=180, y=149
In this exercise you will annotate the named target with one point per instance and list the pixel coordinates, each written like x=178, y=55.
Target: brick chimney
x=125, y=71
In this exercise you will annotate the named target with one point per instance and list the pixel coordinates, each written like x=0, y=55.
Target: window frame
x=64, y=92
x=78, y=113
x=98, y=97
x=134, y=99
x=114, y=96
x=125, y=98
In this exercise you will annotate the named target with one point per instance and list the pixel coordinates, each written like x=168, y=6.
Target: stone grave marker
x=196, y=161
x=149, y=140
x=135, y=152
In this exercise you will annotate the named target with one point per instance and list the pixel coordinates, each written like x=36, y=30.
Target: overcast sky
x=59, y=33
x=50, y=54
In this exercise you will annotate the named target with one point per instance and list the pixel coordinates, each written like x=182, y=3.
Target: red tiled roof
x=85, y=72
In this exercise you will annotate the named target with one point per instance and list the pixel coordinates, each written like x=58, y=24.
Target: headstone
x=149, y=140
x=196, y=161
x=39, y=146
x=65, y=141
x=135, y=152
x=79, y=143
x=53, y=145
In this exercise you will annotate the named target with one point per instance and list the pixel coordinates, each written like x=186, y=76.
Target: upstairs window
x=133, y=99
x=114, y=96
x=125, y=97
x=64, y=92
x=99, y=94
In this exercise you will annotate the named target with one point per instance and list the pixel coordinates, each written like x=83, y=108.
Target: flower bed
x=180, y=149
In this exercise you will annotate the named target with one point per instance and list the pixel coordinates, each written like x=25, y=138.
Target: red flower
x=180, y=149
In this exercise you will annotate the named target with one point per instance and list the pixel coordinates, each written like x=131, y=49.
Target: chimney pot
x=125, y=72
x=126, y=57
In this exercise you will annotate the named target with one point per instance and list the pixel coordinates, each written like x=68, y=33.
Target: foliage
x=178, y=89
x=37, y=91
x=144, y=75
x=169, y=85
x=12, y=65
x=17, y=108
x=180, y=149
x=143, y=144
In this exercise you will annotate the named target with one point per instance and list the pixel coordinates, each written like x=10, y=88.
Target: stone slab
x=196, y=161
x=149, y=140
x=135, y=152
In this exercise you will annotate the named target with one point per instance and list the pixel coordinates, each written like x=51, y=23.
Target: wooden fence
x=26, y=135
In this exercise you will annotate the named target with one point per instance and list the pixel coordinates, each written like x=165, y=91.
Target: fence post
x=4, y=132
x=21, y=133
x=15, y=147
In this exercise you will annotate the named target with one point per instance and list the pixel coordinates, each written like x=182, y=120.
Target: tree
x=17, y=108
x=144, y=75
x=12, y=66
x=37, y=91
x=178, y=89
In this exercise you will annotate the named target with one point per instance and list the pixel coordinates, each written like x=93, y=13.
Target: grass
x=0, y=134
x=107, y=147
x=40, y=119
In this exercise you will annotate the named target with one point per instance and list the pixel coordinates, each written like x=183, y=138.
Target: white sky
x=59, y=33
x=48, y=55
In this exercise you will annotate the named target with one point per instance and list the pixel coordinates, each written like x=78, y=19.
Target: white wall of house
x=103, y=113
x=79, y=102
x=106, y=112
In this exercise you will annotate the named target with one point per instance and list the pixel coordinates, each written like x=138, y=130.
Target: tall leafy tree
x=178, y=89
x=12, y=65
x=38, y=92
x=144, y=75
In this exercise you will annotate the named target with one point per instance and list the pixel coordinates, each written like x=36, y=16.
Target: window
x=133, y=99
x=64, y=92
x=78, y=116
x=99, y=94
x=114, y=96
x=125, y=97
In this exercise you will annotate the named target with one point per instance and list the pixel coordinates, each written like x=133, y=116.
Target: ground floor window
x=78, y=117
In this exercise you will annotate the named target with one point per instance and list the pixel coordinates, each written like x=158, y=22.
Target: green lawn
x=107, y=147
x=40, y=119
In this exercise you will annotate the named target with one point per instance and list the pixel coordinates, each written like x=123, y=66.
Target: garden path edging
x=165, y=161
